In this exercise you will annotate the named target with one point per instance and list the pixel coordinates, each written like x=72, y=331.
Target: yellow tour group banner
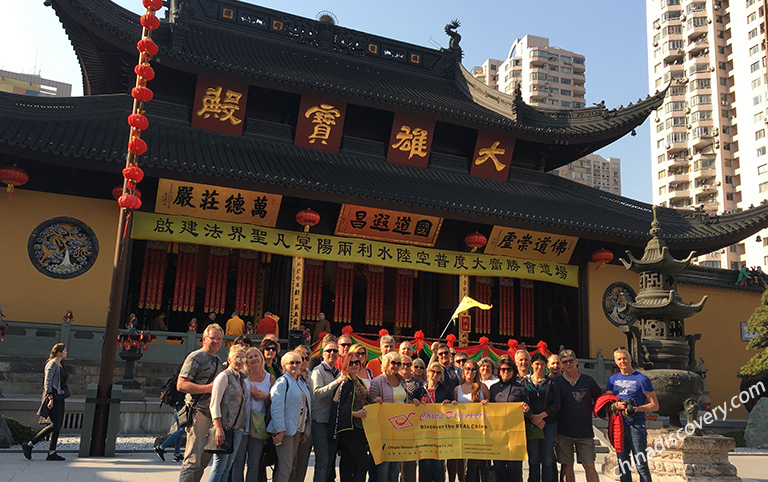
x=184, y=229
x=403, y=432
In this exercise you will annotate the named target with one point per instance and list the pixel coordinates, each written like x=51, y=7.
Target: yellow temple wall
x=28, y=295
x=719, y=324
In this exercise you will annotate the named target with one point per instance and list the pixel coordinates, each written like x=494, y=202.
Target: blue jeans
x=431, y=470
x=635, y=439
x=388, y=471
x=541, y=455
x=325, y=451
x=508, y=470
x=222, y=463
x=175, y=437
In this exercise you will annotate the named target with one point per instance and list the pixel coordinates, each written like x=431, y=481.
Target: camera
x=631, y=410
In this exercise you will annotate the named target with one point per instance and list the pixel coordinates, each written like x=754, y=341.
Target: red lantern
x=149, y=21
x=129, y=201
x=153, y=4
x=117, y=191
x=307, y=218
x=13, y=176
x=601, y=257
x=475, y=240
x=145, y=71
x=142, y=94
x=133, y=173
x=138, y=121
x=147, y=45
x=137, y=146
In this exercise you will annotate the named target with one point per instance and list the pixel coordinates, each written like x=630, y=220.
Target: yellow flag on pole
x=467, y=303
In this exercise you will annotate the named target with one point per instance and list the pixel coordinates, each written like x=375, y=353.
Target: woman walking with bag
x=258, y=384
x=55, y=391
x=228, y=410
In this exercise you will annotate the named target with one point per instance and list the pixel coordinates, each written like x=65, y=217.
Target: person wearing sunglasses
x=326, y=378
x=451, y=373
x=506, y=390
x=472, y=390
x=347, y=414
x=413, y=387
x=389, y=387
x=578, y=394
x=291, y=415
x=434, y=391
x=270, y=348
x=228, y=410
x=419, y=369
x=305, y=449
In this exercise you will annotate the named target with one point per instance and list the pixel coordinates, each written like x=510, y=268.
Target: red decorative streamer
x=483, y=295
x=186, y=278
x=374, y=300
x=247, y=276
x=342, y=306
x=506, y=307
x=153, y=275
x=313, y=289
x=526, y=309
x=216, y=282
x=404, y=300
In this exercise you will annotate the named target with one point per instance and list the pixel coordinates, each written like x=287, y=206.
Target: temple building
x=298, y=167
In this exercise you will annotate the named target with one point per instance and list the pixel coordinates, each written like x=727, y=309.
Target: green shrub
x=21, y=432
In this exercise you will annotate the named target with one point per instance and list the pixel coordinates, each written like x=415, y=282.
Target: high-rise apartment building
x=594, y=170
x=30, y=84
x=709, y=138
x=551, y=77
x=548, y=76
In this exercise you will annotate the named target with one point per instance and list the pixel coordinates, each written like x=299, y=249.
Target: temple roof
x=670, y=307
x=277, y=50
x=91, y=132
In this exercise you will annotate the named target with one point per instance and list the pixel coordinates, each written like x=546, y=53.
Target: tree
x=757, y=367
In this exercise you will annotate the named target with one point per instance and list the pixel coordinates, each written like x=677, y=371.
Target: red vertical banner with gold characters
x=410, y=141
x=493, y=155
x=320, y=124
x=219, y=105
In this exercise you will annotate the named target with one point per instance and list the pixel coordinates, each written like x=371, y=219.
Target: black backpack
x=169, y=395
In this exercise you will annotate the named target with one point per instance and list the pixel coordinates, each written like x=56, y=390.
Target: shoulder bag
x=186, y=412
x=229, y=435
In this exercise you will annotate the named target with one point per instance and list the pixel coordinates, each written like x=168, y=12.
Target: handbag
x=532, y=432
x=44, y=413
x=268, y=455
x=225, y=448
x=229, y=436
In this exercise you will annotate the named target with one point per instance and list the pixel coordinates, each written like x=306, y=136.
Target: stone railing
x=85, y=342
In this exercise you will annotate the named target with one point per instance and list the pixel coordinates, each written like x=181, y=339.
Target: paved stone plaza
x=145, y=467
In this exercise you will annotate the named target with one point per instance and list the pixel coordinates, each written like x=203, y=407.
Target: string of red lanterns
x=130, y=198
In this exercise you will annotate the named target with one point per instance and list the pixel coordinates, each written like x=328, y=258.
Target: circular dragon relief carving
x=62, y=247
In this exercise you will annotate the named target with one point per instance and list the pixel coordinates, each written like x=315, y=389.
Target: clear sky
x=609, y=33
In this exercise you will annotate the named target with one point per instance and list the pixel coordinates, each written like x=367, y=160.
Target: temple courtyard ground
x=145, y=467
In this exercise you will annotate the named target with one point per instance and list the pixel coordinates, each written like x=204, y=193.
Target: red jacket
x=615, y=422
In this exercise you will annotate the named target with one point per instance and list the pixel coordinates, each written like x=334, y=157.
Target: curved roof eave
x=44, y=129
